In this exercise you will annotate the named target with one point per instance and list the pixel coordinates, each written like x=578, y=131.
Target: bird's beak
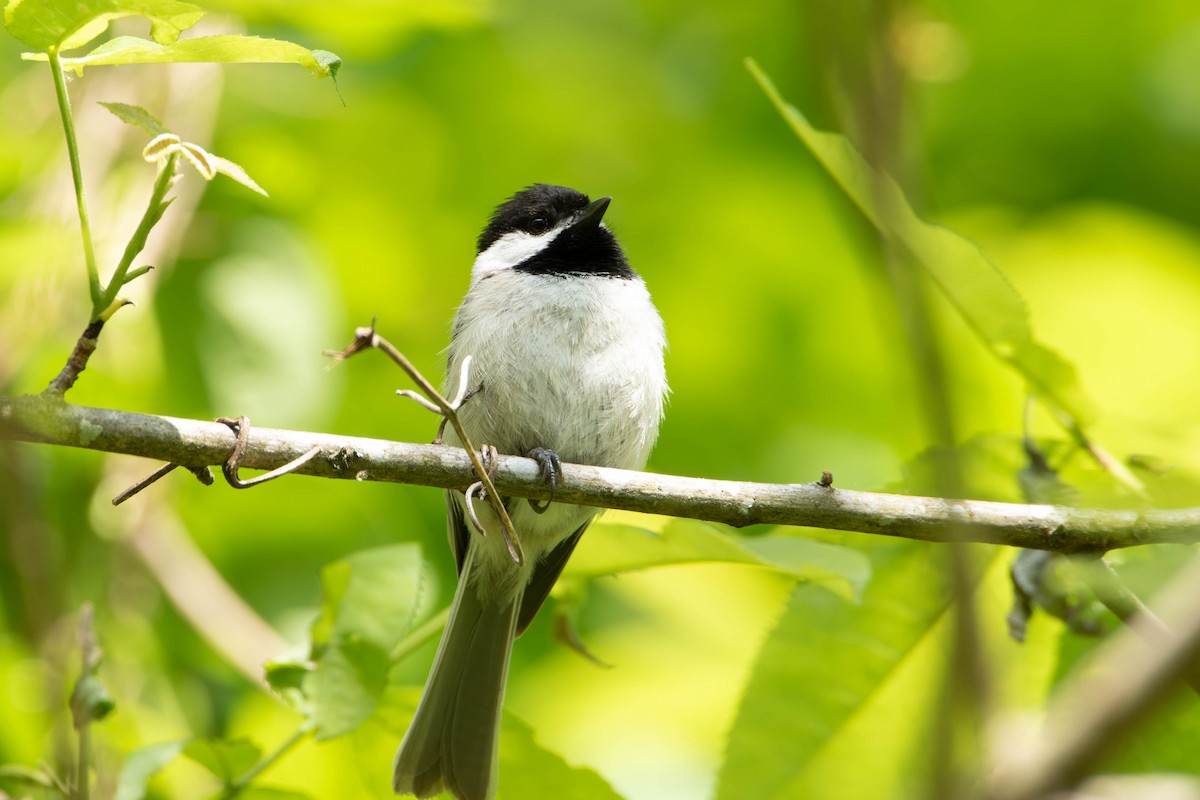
x=591, y=216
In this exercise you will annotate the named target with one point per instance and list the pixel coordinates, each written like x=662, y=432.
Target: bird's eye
x=538, y=225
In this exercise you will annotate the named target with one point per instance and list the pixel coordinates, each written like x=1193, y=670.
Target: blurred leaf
x=370, y=601
x=246, y=355
x=228, y=760
x=29, y=776
x=371, y=595
x=236, y=172
x=1040, y=484
x=142, y=765
x=269, y=793
x=609, y=548
x=570, y=597
x=980, y=292
x=136, y=116
x=835, y=567
x=286, y=675
x=822, y=663
x=67, y=24
x=223, y=49
x=395, y=709
x=291, y=680
x=529, y=770
x=989, y=465
x=1165, y=743
x=346, y=685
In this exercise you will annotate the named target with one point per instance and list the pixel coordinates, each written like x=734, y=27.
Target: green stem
x=426, y=633
x=248, y=777
x=137, y=242
x=85, y=226
x=82, y=787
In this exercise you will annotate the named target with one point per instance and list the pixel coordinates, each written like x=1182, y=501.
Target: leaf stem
x=264, y=763
x=427, y=632
x=154, y=211
x=85, y=226
x=82, y=787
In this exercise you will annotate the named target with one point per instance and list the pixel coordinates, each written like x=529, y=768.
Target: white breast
x=569, y=363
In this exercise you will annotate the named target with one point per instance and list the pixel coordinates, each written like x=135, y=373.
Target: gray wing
x=544, y=576
x=545, y=573
x=457, y=530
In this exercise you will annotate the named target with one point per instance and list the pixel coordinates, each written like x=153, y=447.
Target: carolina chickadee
x=568, y=348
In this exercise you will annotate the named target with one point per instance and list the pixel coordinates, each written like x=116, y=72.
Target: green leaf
x=228, y=760
x=370, y=602
x=609, y=547
x=66, y=24
x=27, y=776
x=269, y=793
x=142, y=765
x=222, y=49
x=283, y=676
x=232, y=170
x=825, y=659
x=291, y=680
x=136, y=116
x=529, y=770
x=346, y=686
x=972, y=283
x=371, y=595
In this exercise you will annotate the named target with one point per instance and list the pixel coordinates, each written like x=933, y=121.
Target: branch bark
x=195, y=443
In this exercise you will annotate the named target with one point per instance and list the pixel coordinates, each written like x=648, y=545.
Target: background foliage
x=1064, y=138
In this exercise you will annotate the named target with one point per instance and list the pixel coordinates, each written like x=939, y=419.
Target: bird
x=567, y=365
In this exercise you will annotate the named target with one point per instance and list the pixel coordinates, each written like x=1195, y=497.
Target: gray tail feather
x=453, y=741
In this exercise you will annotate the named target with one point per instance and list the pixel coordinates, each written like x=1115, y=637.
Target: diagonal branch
x=194, y=444
x=1122, y=683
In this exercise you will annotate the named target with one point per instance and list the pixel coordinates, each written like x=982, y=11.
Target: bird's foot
x=551, y=468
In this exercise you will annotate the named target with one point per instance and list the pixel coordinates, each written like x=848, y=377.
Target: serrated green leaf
x=136, y=116
x=67, y=24
x=610, y=548
x=370, y=602
x=221, y=49
x=228, y=760
x=973, y=284
x=142, y=765
x=822, y=663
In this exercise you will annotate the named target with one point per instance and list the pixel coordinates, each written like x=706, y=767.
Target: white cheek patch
x=508, y=251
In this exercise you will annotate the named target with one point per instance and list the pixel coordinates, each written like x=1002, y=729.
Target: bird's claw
x=551, y=468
